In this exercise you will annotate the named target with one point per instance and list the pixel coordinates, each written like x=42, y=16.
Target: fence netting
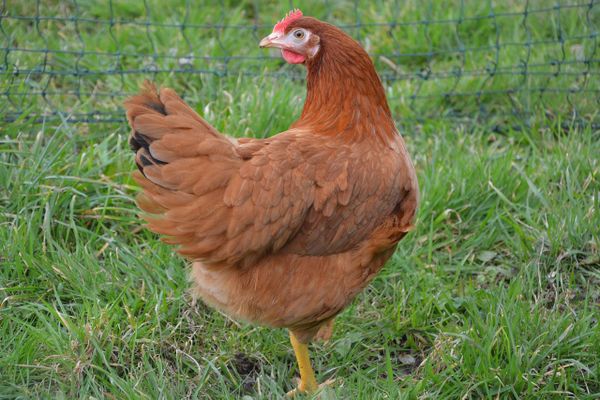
x=466, y=60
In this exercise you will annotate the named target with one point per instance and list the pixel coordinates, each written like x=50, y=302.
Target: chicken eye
x=299, y=34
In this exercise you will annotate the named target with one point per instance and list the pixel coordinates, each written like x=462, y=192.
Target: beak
x=273, y=40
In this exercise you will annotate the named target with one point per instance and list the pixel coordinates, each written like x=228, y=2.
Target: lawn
x=496, y=294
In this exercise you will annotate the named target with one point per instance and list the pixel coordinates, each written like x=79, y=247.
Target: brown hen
x=283, y=231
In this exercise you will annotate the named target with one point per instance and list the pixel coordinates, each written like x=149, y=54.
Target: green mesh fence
x=503, y=61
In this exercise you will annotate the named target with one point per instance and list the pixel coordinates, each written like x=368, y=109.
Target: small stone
x=407, y=359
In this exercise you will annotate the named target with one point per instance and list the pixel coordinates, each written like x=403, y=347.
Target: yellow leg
x=308, y=383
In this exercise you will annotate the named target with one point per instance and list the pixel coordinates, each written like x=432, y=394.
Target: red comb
x=287, y=20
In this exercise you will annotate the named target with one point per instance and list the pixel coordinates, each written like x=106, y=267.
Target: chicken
x=283, y=231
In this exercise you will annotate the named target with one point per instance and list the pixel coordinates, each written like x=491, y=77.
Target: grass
x=496, y=294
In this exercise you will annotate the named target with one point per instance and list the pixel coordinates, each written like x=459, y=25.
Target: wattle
x=291, y=57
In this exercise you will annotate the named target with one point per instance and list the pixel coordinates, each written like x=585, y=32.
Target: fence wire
x=458, y=59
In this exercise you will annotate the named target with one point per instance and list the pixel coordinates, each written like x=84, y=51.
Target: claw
x=298, y=391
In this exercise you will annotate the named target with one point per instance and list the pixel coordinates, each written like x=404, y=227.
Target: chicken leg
x=308, y=382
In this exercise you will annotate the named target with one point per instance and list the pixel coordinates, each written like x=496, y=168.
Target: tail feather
x=165, y=129
x=146, y=102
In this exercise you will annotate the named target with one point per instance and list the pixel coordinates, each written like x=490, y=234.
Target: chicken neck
x=345, y=95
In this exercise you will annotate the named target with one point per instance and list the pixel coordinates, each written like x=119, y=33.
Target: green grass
x=495, y=295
